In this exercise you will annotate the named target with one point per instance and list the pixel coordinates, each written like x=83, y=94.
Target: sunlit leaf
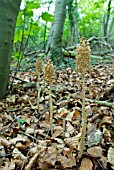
x=47, y=17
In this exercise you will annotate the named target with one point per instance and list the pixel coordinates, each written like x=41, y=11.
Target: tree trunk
x=73, y=18
x=111, y=25
x=106, y=22
x=54, y=44
x=71, y=21
x=8, y=15
x=76, y=22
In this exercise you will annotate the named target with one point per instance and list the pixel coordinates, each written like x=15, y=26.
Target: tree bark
x=73, y=18
x=76, y=22
x=71, y=21
x=107, y=20
x=8, y=15
x=54, y=44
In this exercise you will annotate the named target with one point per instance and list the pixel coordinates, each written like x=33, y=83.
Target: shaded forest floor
x=25, y=138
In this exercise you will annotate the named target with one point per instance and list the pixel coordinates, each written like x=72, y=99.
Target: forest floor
x=25, y=138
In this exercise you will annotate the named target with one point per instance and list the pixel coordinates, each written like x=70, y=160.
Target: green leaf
x=20, y=19
x=32, y=5
x=29, y=13
x=35, y=27
x=47, y=17
x=20, y=121
x=96, y=4
x=17, y=56
x=18, y=36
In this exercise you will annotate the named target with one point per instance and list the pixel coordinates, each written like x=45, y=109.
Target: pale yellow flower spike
x=83, y=62
x=49, y=77
x=38, y=71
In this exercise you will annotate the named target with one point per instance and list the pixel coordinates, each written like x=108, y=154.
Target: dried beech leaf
x=18, y=162
x=63, y=103
x=69, y=128
x=73, y=141
x=45, y=124
x=58, y=130
x=69, y=116
x=95, y=151
x=8, y=116
x=49, y=156
x=31, y=162
x=34, y=150
x=106, y=120
x=73, y=116
x=62, y=113
x=8, y=166
x=11, y=98
x=30, y=131
x=104, y=162
x=21, y=145
x=76, y=115
x=86, y=164
x=111, y=157
x=18, y=155
x=67, y=162
x=59, y=140
x=19, y=138
x=5, y=142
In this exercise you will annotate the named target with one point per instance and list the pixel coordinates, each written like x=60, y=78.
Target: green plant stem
x=84, y=120
x=51, y=110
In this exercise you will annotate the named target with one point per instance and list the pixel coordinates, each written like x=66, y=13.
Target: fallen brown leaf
x=86, y=164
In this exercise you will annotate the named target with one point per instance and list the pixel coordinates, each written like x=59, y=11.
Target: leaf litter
x=25, y=138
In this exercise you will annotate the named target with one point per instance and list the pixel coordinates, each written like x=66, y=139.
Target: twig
x=103, y=103
x=30, y=136
x=99, y=102
x=31, y=162
x=17, y=78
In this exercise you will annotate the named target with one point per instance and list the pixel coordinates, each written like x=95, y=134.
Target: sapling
x=49, y=77
x=38, y=72
x=83, y=62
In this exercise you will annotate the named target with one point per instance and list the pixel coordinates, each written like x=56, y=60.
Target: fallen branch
x=72, y=54
x=18, y=78
x=99, y=102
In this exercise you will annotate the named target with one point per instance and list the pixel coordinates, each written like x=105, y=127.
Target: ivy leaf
x=47, y=17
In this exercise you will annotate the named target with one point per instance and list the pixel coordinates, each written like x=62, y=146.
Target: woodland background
x=33, y=29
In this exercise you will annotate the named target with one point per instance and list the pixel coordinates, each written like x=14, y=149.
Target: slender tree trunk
x=106, y=22
x=54, y=45
x=111, y=25
x=45, y=29
x=76, y=22
x=73, y=18
x=8, y=15
x=71, y=21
